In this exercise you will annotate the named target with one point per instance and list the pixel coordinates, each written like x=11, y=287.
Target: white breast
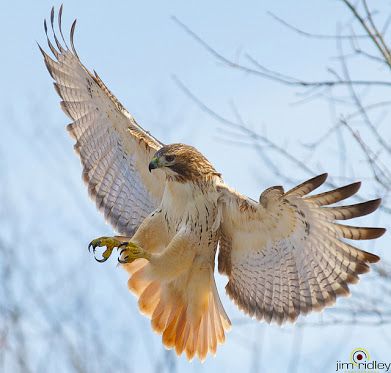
x=193, y=208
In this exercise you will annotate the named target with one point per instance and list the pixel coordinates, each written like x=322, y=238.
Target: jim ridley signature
x=368, y=366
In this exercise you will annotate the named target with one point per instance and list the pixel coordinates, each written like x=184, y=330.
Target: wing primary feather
x=52, y=15
x=335, y=195
x=352, y=211
x=42, y=51
x=60, y=26
x=54, y=51
x=359, y=233
x=59, y=46
x=308, y=186
x=47, y=59
x=73, y=27
x=369, y=257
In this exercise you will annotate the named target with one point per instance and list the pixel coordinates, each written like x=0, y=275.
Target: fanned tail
x=187, y=311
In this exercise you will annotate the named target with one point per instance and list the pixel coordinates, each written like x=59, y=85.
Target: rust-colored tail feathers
x=191, y=320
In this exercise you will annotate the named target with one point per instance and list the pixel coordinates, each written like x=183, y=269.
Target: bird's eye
x=169, y=158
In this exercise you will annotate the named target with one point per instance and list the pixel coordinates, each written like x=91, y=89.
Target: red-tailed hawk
x=284, y=255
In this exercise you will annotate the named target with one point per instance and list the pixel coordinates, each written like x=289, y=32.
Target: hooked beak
x=153, y=164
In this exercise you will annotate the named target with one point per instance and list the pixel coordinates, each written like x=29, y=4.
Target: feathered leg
x=150, y=237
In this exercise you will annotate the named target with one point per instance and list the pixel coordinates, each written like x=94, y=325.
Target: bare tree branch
x=269, y=74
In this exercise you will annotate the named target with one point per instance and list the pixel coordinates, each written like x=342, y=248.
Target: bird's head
x=182, y=163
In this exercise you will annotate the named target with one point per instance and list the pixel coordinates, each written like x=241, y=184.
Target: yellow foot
x=130, y=252
x=110, y=243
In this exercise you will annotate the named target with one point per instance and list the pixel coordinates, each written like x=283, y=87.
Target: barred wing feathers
x=114, y=150
x=285, y=255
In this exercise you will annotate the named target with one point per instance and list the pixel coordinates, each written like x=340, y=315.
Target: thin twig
x=311, y=34
x=370, y=32
x=273, y=75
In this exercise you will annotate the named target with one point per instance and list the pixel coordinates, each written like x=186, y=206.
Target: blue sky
x=136, y=48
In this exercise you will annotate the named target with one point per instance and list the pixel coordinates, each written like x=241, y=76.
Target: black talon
x=92, y=246
x=123, y=261
x=123, y=244
x=100, y=260
x=122, y=251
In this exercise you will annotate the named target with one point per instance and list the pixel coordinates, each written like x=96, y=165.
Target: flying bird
x=284, y=255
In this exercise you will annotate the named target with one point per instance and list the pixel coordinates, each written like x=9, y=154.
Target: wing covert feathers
x=287, y=256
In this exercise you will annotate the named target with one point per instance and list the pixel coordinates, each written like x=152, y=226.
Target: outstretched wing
x=114, y=150
x=285, y=255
